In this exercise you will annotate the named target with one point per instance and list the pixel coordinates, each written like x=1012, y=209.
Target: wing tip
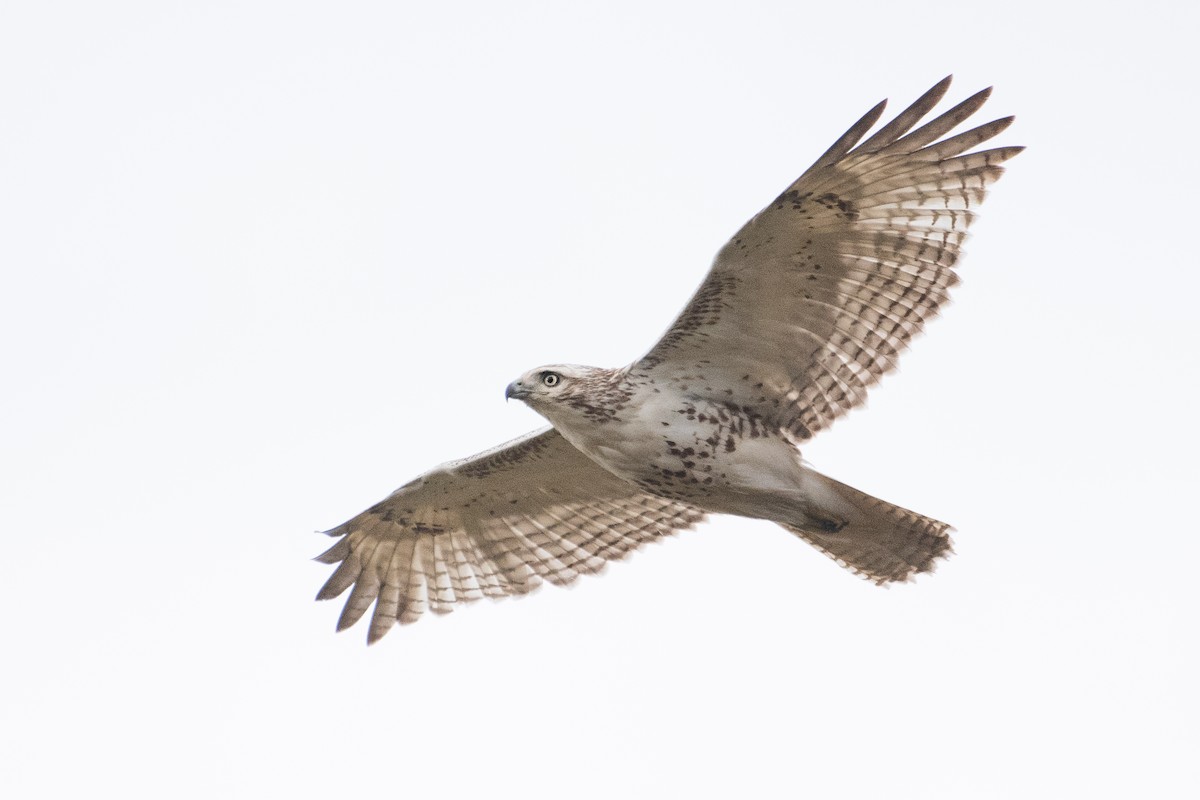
x=339, y=552
x=327, y=593
x=974, y=101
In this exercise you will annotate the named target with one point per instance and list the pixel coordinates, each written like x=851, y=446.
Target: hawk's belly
x=707, y=454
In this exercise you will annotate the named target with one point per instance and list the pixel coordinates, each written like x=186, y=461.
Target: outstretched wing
x=491, y=525
x=815, y=297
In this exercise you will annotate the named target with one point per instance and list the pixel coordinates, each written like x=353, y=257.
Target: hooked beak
x=516, y=389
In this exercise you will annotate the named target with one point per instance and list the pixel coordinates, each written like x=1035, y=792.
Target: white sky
x=263, y=262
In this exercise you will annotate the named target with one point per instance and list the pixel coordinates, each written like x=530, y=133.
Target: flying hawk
x=803, y=310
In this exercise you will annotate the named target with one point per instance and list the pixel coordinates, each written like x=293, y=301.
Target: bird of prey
x=801, y=312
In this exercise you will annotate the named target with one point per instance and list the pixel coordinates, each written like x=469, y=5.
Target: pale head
x=568, y=393
x=550, y=382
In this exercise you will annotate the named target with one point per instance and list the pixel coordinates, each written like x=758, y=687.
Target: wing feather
x=909, y=117
x=817, y=295
x=494, y=525
x=939, y=126
x=838, y=150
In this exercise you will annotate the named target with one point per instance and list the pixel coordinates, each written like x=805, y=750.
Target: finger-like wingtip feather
x=908, y=117
x=338, y=530
x=960, y=143
x=359, y=601
x=337, y=553
x=942, y=124
x=850, y=138
x=341, y=579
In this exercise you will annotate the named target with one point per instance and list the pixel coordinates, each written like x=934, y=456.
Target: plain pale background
x=263, y=262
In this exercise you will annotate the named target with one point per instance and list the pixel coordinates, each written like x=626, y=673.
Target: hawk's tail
x=869, y=536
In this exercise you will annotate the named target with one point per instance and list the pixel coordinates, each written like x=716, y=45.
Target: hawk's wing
x=491, y=525
x=815, y=297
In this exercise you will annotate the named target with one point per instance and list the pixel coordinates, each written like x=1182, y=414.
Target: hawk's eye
x=551, y=378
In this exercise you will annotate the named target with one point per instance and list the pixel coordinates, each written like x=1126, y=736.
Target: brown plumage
x=809, y=304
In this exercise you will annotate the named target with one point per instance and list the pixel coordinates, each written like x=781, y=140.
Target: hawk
x=807, y=306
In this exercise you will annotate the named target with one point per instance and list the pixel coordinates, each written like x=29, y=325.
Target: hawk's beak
x=516, y=389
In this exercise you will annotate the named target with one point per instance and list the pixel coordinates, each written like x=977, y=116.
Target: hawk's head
x=548, y=383
x=558, y=390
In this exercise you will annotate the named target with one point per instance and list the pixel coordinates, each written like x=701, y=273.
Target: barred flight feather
x=407, y=554
x=843, y=270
